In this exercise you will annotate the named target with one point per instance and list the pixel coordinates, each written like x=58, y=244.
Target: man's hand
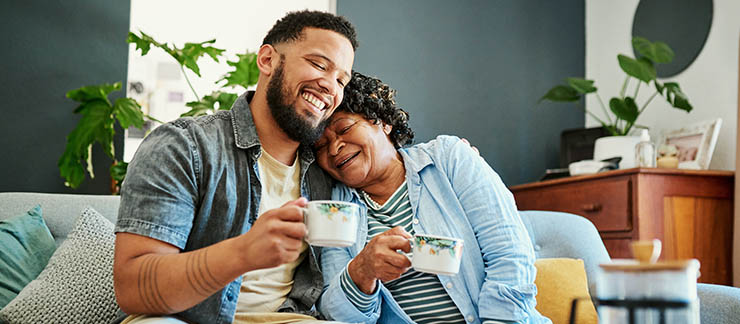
x=276, y=237
x=465, y=140
x=379, y=259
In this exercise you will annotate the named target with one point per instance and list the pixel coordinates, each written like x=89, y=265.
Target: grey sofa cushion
x=719, y=304
x=77, y=284
x=60, y=210
x=563, y=235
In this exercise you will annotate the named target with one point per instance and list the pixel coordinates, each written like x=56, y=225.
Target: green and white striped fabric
x=420, y=295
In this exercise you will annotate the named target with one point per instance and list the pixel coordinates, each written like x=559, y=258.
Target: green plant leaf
x=191, y=52
x=659, y=87
x=657, y=52
x=187, y=56
x=583, y=86
x=118, y=171
x=143, y=42
x=245, y=74
x=208, y=104
x=96, y=125
x=676, y=97
x=94, y=92
x=624, y=109
x=128, y=112
x=642, y=69
x=561, y=93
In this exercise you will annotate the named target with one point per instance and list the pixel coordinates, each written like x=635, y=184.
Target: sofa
x=553, y=235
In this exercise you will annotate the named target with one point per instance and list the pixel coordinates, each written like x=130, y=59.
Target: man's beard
x=297, y=128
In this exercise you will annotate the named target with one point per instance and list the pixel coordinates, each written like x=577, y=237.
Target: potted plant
x=99, y=115
x=625, y=107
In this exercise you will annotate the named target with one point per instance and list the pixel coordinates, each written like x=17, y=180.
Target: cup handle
x=409, y=255
x=305, y=222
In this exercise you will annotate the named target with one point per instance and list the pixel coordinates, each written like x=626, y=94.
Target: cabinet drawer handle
x=591, y=207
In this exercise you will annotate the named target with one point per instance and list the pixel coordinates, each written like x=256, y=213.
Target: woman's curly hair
x=375, y=100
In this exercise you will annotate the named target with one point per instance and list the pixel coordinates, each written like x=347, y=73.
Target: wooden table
x=691, y=211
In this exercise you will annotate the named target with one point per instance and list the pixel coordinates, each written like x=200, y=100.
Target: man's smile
x=316, y=103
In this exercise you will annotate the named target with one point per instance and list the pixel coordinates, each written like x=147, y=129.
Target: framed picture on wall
x=694, y=143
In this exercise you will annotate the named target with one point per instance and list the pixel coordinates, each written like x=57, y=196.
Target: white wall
x=710, y=83
x=237, y=25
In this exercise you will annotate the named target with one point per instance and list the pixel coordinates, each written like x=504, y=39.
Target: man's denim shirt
x=194, y=182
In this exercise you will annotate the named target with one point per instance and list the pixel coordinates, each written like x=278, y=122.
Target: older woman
x=441, y=187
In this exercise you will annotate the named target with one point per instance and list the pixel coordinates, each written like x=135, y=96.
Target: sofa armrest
x=719, y=304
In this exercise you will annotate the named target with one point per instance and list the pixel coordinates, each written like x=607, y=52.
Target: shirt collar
x=245, y=132
x=415, y=160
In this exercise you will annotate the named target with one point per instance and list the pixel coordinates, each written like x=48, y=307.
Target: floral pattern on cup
x=331, y=209
x=437, y=245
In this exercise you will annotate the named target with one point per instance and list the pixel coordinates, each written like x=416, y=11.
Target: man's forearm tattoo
x=149, y=291
x=199, y=276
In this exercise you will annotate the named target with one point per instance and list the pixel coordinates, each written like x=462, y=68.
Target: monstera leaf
x=622, y=106
x=657, y=52
x=641, y=68
x=583, y=86
x=624, y=109
x=561, y=93
x=674, y=95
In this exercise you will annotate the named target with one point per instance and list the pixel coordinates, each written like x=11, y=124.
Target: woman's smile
x=347, y=160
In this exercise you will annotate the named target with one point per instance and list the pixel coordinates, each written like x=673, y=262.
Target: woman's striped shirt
x=420, y=295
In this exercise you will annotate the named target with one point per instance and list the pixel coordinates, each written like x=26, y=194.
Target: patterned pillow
x=77, y=284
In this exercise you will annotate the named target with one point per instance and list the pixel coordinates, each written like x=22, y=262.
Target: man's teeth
x=313, y=100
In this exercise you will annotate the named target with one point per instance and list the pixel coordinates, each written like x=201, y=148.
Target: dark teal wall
x=49, y=48
x=476, y=69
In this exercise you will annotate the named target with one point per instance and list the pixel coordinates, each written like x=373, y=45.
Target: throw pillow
x=77, y=284
x=27, y=246
x=559, y=281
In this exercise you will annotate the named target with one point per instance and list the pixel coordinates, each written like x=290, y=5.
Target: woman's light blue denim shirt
x=453, y=192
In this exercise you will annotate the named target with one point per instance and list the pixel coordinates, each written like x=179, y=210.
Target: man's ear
x=267, y=59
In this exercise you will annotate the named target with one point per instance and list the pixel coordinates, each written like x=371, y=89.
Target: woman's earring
x=387, y=129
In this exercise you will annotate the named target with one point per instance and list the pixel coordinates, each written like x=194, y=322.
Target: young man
x=210, y=223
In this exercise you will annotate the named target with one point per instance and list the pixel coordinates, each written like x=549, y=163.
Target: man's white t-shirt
x=264, y=290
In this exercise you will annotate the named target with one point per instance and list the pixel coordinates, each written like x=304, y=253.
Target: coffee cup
x=436, y=254
x=331, y=223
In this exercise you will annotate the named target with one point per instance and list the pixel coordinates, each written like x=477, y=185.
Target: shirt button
x=449, y=285
x=470, y=318
x=416, y=221
x=230, y=296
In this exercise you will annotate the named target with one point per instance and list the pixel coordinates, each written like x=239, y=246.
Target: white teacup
x=331, y=223
x=436, y=254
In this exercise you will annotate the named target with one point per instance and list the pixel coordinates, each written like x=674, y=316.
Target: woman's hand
x=379, y=259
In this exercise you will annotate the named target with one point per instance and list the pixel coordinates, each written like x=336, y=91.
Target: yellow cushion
x=559, y=281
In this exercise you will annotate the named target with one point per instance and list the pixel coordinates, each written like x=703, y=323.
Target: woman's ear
x=267, y=59
x=387, y=129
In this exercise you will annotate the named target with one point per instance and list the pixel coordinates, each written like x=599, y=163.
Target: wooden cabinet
x=691, y=211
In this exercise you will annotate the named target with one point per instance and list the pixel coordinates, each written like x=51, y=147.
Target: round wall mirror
x=682, y=24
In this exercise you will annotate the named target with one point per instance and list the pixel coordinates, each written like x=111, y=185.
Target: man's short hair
x=290, y=27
